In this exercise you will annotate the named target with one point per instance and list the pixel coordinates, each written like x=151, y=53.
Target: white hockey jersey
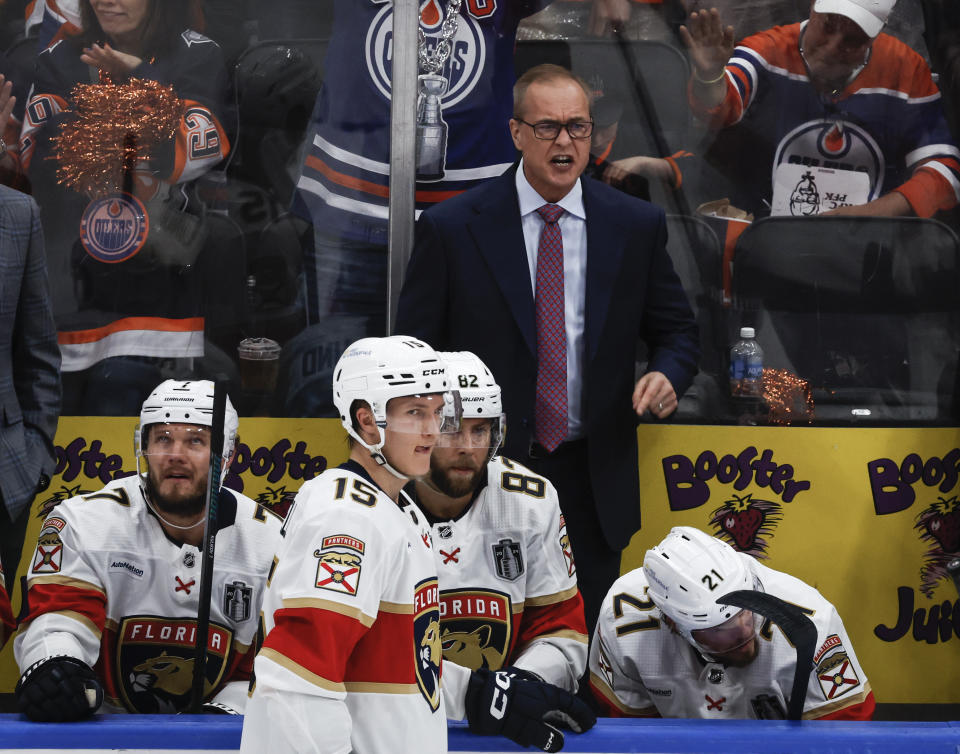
x=640, y=667
x=351, y=659
x=107, y=586
x=508, y=585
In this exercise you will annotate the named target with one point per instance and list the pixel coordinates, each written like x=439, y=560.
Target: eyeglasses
x=548, y=130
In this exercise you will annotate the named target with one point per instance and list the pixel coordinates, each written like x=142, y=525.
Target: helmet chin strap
x=382, y=461
x=377, y=454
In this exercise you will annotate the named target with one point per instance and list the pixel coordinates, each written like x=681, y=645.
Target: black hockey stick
x=798, y=629
x=209, y=544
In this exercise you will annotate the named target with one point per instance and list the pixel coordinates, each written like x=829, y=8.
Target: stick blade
x=796, y=626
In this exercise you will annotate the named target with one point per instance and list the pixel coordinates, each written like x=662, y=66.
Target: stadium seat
x=865, y=309
x=276, y=83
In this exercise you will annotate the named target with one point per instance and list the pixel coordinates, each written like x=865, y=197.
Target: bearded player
x=508, y=586
x=113, y=588
x=352, y=659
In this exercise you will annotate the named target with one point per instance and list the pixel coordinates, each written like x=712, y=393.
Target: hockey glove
x=525, y=711
x=58, y=689
x=519, y=674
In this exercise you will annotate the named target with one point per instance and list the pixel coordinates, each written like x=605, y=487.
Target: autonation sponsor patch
x=127, y=567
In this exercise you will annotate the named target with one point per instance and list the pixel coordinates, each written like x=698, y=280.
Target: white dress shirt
x=573, y=229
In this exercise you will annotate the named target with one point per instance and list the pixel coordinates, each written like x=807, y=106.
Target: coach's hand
x=58, y=689
x=525, y=711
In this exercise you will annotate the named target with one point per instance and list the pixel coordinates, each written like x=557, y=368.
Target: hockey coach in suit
x=29, y=371
x=550, y=278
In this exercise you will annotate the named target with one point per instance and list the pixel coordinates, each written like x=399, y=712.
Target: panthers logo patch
x=155, y=662
x=48, y=557
x=835, y=672
x=477, y=626
x=566, y=547
x=426, y=640
x=338, y=569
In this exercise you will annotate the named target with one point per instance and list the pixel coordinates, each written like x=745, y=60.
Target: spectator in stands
x=127, y=295
x=836, y=115
x=665, y=648
x=567, y=371
x=629, y=174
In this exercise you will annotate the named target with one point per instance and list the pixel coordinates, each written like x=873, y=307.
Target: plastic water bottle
x=746, y=364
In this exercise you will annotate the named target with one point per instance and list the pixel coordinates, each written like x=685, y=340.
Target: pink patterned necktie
x=550, y=413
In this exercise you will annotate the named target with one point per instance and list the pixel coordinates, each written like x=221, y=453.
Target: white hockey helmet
x=185, y=402
x=375, y=370
x=479, y=392
x=688, y=571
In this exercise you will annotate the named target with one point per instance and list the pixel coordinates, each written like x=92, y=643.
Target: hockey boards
x=798, y=629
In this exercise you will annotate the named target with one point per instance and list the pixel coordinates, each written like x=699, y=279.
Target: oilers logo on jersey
x=114, y=229
x=837, y=145
x=155, y=659
x=468, y=52
x=476, y=627
x=426, y=640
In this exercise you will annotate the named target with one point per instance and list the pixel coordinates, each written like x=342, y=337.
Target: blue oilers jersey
x=345, y=175
x=887, y=123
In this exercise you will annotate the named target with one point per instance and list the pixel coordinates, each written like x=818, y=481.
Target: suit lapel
x=498, y=234
x=605, y=248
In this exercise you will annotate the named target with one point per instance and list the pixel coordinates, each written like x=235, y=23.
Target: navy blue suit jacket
x=468, y=288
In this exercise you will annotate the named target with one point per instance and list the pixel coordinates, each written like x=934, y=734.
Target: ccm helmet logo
x=428, y=372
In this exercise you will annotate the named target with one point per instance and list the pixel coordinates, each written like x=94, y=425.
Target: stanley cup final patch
x=508, y=559
x=237, y=600
x=834, y=669
x=48, y=557
x=340, y=559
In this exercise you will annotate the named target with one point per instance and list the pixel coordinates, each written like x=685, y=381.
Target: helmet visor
x=190, y=441
x=424, y=414
x=474, y=434
x=729, y=636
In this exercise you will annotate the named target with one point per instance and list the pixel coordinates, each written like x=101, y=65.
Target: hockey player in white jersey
x=663, y=647
x=352, y=656
x=508, y=585
x=113, y=588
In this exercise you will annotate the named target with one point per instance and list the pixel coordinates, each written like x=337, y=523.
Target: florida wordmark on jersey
x=508, y=585
x=352, y=627
x=108, y=587
x=346, y=171
x=639, y=666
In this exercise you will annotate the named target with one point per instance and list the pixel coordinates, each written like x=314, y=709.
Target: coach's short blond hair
x=545, y=72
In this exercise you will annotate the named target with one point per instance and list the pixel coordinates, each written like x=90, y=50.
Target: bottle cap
x=747, y=332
